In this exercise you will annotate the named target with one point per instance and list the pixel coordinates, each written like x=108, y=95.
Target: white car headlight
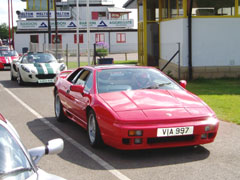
x=25, y=69
x=62, y=67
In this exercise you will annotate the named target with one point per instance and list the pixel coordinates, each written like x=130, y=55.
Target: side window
x=81, y=79
x=73, y=75
x=89, y=83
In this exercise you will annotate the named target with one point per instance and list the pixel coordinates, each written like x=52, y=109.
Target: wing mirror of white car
x=183, y=83
x=54, y=146
x=60, y=60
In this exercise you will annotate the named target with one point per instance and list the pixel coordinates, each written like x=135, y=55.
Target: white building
x=207, y=31
x=108, y=24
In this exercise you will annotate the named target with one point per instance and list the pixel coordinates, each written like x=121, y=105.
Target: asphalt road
x=30, y=110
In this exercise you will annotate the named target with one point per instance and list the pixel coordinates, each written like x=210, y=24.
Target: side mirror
x=183, y=83
x=60, y=60
x=77, y=88
x=54, y=146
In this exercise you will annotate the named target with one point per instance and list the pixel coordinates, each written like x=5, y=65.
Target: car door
x=64, y=90
x=81, y=100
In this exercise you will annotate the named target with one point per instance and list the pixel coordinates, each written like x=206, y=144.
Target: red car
x=6, y=58
x=133, y=107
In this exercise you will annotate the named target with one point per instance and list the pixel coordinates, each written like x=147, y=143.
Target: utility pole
x=9, y=25
x=56, y=29
x=49, y=25
x=88, y=33
x=12, y=25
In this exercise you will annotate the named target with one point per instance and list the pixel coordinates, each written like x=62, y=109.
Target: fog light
x=135, y=132
x=138, y=141
x=204, y=136
x=126, y=141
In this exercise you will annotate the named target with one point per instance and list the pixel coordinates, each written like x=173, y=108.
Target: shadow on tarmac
x=119, y=159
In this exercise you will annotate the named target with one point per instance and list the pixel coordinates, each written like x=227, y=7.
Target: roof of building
x=131, y=4
x=119, y=10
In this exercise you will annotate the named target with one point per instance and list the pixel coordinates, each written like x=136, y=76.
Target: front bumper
x=5, y=66
x=149, y=140
x=39, y=78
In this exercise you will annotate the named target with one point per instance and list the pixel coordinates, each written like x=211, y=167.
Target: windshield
x=14, y=164
x=110, y=80
x=38, y=58
x=8, y=53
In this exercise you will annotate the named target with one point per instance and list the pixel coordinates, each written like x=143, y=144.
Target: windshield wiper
x=14, y=171
x=156, y=86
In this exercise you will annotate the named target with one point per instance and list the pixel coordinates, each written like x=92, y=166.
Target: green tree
x=3, y=31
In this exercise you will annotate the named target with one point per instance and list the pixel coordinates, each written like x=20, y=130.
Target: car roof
x=114, y=66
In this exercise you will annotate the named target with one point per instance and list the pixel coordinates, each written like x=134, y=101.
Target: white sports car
x=36, y=68
x=18, y=163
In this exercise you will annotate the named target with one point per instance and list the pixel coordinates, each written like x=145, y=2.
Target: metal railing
x=179, y=65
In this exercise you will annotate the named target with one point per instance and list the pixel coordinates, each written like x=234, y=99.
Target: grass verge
x=222, y=95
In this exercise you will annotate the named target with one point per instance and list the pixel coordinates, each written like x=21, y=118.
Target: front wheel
x=94, y=135
x=12, y=77
x=59, y=114
x=19, y=79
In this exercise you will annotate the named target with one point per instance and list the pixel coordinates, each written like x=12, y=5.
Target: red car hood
x=156, y=103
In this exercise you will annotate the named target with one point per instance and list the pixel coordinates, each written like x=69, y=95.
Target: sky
x=19, y=5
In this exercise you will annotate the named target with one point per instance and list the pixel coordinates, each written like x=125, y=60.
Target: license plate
x=177, y=131
x=7, y=67
x=46, y=81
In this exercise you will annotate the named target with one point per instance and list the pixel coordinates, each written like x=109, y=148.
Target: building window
x=121, y=16
x=59, y=39
x=34, y=39
x=99, y=38
x=153, y=10
x=99, y=15
x=213, y=8
x=39, y=5
x=80, y=38
x=121, y=37
x=172, y=8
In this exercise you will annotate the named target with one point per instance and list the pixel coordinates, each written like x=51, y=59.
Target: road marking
x=96, y=158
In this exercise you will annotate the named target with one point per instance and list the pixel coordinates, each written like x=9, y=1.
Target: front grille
x=45, y=76
x=170, y=139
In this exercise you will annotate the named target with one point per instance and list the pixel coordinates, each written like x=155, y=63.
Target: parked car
x=6, y=58
x=133, y=107
x=16, y=163
x=36, y=68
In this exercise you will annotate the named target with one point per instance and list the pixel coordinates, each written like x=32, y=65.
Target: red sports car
x=6, y=58
x=133, y=107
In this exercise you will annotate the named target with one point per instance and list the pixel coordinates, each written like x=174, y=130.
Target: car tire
x=19, y=80
x=94, y=134
x=59, y=114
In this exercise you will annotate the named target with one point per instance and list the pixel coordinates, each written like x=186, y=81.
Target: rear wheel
x=94, y=135
x=60, y=116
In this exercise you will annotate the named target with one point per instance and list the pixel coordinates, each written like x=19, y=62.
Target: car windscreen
x=122, y=79
x=39, y=58
x=13, y=160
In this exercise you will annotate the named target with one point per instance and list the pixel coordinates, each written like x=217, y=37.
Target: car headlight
x=25, y=69
x=62, y=67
